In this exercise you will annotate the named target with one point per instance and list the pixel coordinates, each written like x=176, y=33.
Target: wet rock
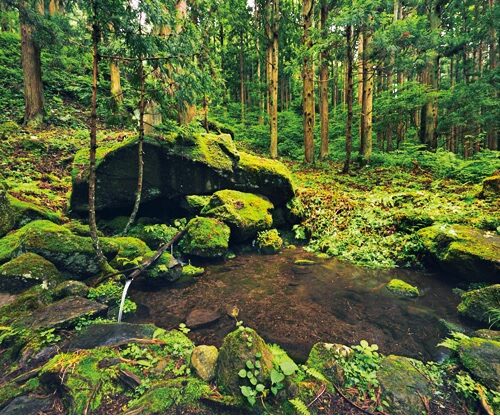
x=205, y=237
x=28, y=405
x=64, y=313
x=175, y=166
x=482, y=358
x=491, y=186
x=487, y=334
x=402, y=289
x=246, y=214
x=204, y=361
x=70, y=288
x=27, y=270
x=476, y=304
x=239, y=347
x=7, y=217
x=100, y=335
x=269, y=242
x=324, y=358
x=403, y=386
x=198, y=318
x=471, y=254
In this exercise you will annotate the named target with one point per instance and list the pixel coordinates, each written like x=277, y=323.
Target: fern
x=453, y=342
x=315, y=374
x=299, y=406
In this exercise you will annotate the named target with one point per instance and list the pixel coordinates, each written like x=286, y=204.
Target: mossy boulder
x=26, y=212
x=27, y=270
x=324, y=358
x=487, y=334
x=269, y=241
x=402, y=289
x=71, y=254
x=204, y=361
x=238, y=347
x=246, y=214
x=194, y=203
x=469, y=253
x=403, y=386
x=477, y=304
x=482, y=358
x=70, y=288
x=7, y=215
x=176, y=165
x=491, y=186
x=205, y=237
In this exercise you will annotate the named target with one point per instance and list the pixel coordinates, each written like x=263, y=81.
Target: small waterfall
x=124, y=296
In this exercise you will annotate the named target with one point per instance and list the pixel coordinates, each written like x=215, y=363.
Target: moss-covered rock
x=482, y=358
x=194, y=203
x=205, y=237
x=25, y=304
x=403, y=386
x=469, y=253
x=246, y=214
x=324, y=358
x=70, y=288
x=7, y=215
x=27, y=270
x=26, y=212
x=204, y=361
x=269, y=241
x=71, y=254
x=176, y=165
x=487, y=334
x=477, y=304
x=402, y=288
x=192, y=271
x=238, y=347
x=491, y=186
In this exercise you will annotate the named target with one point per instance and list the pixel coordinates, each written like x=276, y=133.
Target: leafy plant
x=48, y=337
x=300, y=406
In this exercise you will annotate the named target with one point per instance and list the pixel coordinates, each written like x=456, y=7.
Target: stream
x=296, y=306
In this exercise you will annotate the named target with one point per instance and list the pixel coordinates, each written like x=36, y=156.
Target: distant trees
x=308, y=101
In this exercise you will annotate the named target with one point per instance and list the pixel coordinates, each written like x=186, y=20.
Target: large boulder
x=491, y=186
x=27, y=270
x=477, y=304
x=482, y=358
x=205, y=237
x=176, y=165
x=7, y=217
x=246, y=214
x=469, y=253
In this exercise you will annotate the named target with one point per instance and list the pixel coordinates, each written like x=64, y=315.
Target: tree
x=323, y=84
x=349, y=99
x=308, y=81
x=272, y=32
x=366, y=129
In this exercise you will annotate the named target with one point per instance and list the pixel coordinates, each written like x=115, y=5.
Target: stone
x=482, y=358
x=65, y=312
x=204, y=361
x=269, y=241
x=27, y=270
x=477, y=304
x=324, y=358
x=28, y=405
x=403, y=386
x=471, y=254
x=205, y=237
x=304, y=262
x=246, y=214
x=491, y=186
x=7, y=216
x=487, y=334
x=193, y=204
x=402, y=289
x=70, y=288
x=198, y=318
x=176, y=165
x=237, y=348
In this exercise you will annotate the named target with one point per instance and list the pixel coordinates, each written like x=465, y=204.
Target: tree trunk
x=349, y=99
x=308, y=82
x=32, y=71
x=366, y=141
x=259, y=70
x=323, y=86
x=492, y=133
x=116, y=88
x=272, y=26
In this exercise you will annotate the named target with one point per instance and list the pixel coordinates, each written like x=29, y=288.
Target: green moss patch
x=403, y=289
x=205, y=237
x=269, y=241
x=481, y=304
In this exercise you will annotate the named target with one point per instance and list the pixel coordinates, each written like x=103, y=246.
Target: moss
x=205, y=237
x=260, y=165
x=27, y=270
x=269, y=241
x=129, y=249
x=401, y=288
x=8, y=128
x=245, y=213
x=192, y=271
x=476, y=304
x=30, y=300
x=26, y=212
x=482, y=358
x=304, y=262
x=165, y=268
x=195, y=203
x=11, y=390
x=491, y=186
x=7, y=215
x=324, y=358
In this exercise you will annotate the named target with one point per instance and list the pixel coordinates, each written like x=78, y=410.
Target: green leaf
x=258, y=355
x=257, y=364
x=249, y=365
x=288, y=367
x=246, y=391
x=242, y=373
x=260, y=387
x=276, y=376
x=253, y=381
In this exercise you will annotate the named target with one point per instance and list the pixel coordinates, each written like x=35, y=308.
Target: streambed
x=296, y=306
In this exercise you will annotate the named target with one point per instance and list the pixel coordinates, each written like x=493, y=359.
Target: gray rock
x=70, y=288
x=28, y=405
x=204, y=361
x=198, y=318
x=482, y=358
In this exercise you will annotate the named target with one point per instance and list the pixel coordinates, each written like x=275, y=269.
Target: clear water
x=297, y=306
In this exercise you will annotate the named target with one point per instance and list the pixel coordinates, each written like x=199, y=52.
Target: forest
x=249, y=207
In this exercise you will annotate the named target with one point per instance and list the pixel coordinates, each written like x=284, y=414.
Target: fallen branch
x=484, y=401
x=350, y=401
x=322, y=390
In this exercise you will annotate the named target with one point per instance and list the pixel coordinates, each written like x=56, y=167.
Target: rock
x=71, y=254
x=7, y=217
x=192, y=271
x=65, y=312
x=26, y=212
x=487, y=334
x=269, y=241
x=175, y=166
x=28, y=405
x=402, y=289
x=198, y=318
x=304, y=262
x=70, y=288
x=403, y=386
x=204, y=361
x=477, y=304
x=105, y=334
x=246, y=214
x=27, y=270
x=194, y=203
x=472, y=254
x=324, y=358
x=482, y=358
x=491, y=186
x=205, y=237
x=237, y=348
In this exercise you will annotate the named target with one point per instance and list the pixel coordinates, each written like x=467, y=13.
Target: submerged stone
x=204, y=361
x=205, y=237
x=27, y=270
x=482, y=358
x=403, y=289
x=471, y=254
x=477, y=304
x=176, y=165
x=246, y=214
x=198, y=318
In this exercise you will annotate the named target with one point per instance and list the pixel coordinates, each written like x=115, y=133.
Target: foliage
x=110, y=293
x=300, y=406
